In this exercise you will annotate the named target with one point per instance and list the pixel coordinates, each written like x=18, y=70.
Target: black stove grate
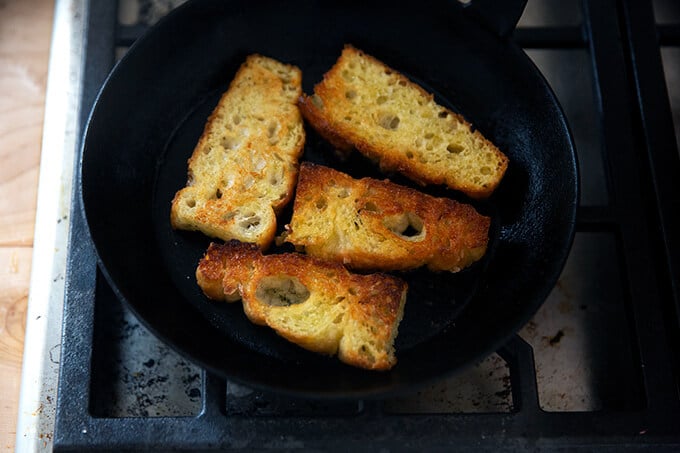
x=640, y=168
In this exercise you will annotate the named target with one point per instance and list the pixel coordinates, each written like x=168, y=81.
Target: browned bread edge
x=357, y=316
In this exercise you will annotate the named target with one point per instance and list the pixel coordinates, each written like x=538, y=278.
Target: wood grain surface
x=25, y=32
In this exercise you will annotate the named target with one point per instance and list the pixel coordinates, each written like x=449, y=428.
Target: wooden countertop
x=25, y=32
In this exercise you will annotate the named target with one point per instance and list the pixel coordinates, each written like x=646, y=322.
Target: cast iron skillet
x=152, y=109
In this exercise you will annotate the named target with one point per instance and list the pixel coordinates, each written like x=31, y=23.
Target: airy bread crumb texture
x=365, y=104
x=244, y=167
x=315, y=304
x=368, y=224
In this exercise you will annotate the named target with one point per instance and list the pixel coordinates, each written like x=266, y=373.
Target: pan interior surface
x=151, y=112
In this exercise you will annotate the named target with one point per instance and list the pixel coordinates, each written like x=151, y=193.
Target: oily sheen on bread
x=316, y=304
x=362, y=103
x=244, y=167
x=368, y=224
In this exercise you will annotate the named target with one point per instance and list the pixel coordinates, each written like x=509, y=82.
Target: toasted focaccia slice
x=369, y=224
x=244, y=167
x=313, y=303
x=365, y=104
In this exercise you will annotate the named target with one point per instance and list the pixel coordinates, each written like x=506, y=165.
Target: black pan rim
x=540, y=295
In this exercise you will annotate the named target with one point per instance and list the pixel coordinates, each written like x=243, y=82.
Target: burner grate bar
x=520, y=358
x=570, y=37
x=669, y=35
x=657, y=137
x=594, y=430
x=595, y=219
x=643, y=300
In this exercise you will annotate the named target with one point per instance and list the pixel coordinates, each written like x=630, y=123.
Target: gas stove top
x=596, y=368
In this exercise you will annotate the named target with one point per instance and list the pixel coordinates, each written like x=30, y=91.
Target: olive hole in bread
x=230, y=142
x=366, y=352
x=454, y=148
x=249, y=221
x=281, y=290
x=407, y=225
x=370, y=207
x=389, y=121
x=272, y=130
x=321, y=203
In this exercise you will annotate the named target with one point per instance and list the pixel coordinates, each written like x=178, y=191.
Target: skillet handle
x=500, y=16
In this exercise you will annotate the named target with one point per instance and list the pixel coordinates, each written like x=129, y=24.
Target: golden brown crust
x=212, y=269
x=244, y=166
x=314, y=303
x=369, y=224
x=366, y=104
